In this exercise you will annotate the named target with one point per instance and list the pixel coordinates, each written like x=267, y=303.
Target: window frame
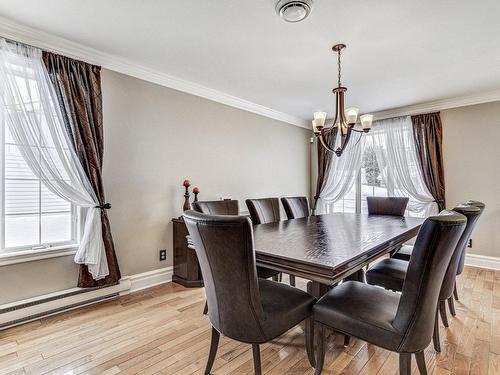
x=19, y=254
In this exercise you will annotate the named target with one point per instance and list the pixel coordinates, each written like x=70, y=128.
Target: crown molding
x=25, y=34
x=439, y=105
x=49, y=42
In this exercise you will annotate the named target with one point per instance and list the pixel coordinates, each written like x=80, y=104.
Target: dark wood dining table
x=328, y=248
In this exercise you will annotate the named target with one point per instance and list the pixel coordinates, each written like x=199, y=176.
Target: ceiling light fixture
x=294, y=10
x=342, y=122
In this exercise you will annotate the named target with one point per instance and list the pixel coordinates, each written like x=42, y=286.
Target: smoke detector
x=294, y=10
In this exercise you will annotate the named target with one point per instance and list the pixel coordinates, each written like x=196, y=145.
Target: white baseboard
x=54, y=303
x=482, y=261
x=149, y=279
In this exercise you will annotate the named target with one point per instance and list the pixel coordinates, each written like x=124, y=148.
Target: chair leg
x=404, y=364
x=310, y=341
x=347, y=340
x=421, y=363
x=455, y=291
x=435, y=336
x=292, y=280
x=442, y=312
x=213, y=350
x=205, y=309
x=256, y=359
x=320, y=348
x=451, y=305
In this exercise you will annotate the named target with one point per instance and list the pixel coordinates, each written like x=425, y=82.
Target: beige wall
x=155, y=138
x=471, y=137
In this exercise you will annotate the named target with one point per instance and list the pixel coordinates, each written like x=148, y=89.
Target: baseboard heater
x=54, y=303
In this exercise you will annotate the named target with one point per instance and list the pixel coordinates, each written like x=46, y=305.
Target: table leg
x=317, y=289
x=357, y=276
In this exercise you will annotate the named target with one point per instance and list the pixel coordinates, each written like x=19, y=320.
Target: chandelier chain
x=340, y=71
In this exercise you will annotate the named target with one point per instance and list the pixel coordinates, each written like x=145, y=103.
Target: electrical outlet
x=163, y=254
x=469, y=244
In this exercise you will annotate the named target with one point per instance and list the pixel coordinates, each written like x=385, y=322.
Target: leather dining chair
x=391, y=273
x=220, y=207
x=296, y=207
x=461, y=262
x=404, y=253
x=243, y=307
x=264, y=211
x=401, y=323
x=229, y=207
x=394, y=206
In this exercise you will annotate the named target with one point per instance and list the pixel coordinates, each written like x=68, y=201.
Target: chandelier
x=343, y=124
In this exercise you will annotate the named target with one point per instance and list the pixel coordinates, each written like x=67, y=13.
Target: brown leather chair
x=400, y=323
x=220, y=207
x=404, y=253
x=264, y=210
x=242, y=306
x=296, y=207
x=391, y=273
x=394, y=206
x=461, y=262
x=229, y=207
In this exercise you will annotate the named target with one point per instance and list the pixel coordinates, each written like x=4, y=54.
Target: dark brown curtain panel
x=428, y=135
x=324, y=162
x=78, y=86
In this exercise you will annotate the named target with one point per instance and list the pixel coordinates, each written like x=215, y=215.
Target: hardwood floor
x=162, y=331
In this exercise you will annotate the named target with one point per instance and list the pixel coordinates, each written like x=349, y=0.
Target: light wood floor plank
x=162, y=331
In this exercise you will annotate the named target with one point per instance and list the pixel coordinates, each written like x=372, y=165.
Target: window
x=369, y=183
x=33, y=218
x=370, y=180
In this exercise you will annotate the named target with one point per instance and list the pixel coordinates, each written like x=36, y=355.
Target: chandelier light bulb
x=320, y=118
x=352, y=115
x=366, y=121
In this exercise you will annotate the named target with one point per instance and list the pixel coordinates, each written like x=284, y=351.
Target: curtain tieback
x=105, y=206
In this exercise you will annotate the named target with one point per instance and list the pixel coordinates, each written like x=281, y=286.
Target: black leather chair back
x=224, y=246
x=394, y=206
x=434, y=247
x=296, y=207
x=264, y=210
x=472, y=214
x=461, y=262
x=225, y=207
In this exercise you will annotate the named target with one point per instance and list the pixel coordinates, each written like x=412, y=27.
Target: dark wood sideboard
x=187, y=270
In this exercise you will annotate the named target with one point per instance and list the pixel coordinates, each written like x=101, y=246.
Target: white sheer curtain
x=398, y=161
x=32, y=114
x=342, y=174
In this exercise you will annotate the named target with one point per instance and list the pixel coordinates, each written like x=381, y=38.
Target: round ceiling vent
x=293, y=10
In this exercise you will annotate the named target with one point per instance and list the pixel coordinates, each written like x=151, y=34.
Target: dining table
x=326, y=249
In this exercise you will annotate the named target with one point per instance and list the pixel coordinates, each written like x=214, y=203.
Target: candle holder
x=196, y=191
x=186, y=205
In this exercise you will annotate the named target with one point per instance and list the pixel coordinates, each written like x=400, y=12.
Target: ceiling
x=399, y=52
